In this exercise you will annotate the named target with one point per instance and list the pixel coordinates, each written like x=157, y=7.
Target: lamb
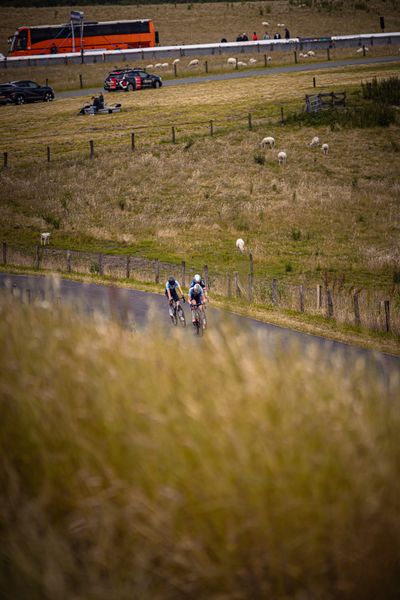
x=282, y=156
x=165, y=65
x=158, y=66
x=240, y=244
x=325, y=148
x=311, y=53
x=44, y=238
x=269, y=59
x=265, y=24
x=360, y=50
x=268, y=141
x=231, y=61
x=252, y=61
x=242, y=64
x=176, y=61
x=149, y=67
x=193, y=63
x=301, y=55
x=314, y=142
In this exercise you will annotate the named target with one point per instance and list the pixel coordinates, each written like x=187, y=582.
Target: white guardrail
x=250, y=47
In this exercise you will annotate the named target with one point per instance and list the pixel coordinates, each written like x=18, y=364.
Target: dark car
x=131, y=79
x=20, y=92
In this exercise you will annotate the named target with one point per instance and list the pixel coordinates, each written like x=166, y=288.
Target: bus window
x=22, y=40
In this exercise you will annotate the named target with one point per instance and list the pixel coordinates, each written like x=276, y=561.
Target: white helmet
x=197, y=278
x=197, y=288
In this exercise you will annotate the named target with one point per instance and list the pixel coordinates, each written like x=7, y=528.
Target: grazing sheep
x=252, y=61
x=176, y=61
x=305, y=56
x=158, y=66
x=149, y=67
x=314, y=142
x=240, y=244
x=265, y=24
x=268, y=141
x=282, y=156
x=242, y=64
x=301, y=55
x=231, y=61
x=165, y=65
x=44, y=238
x=311, y=53
x=325, y=148
x=269, y=59
x=360, y=50
x=193, y=63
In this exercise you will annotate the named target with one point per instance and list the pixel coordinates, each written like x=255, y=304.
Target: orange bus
x=107, y=35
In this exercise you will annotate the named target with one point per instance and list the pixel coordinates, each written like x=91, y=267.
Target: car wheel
x=156, y=84
x=130, y=88
x=48, y=97
x=20, y=100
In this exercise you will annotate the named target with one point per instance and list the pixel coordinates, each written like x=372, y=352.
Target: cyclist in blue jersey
x=196, y=296
x=170, y=291
x=198, y=279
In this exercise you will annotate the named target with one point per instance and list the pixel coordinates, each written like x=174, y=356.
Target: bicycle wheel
x=173, y=316
x=204, y=317
x=182, y=318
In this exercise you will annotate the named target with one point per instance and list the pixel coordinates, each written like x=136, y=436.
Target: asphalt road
x=139, y=308
x=245, y=74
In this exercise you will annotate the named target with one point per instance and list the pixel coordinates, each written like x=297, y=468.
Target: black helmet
x=171, y=281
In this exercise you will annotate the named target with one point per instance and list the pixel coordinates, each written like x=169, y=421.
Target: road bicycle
x=176, y=313
x=198, y=318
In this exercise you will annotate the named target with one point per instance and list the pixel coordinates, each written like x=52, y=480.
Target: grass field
x=130, y=470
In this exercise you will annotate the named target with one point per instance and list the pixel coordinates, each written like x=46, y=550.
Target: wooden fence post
x=301, y=293
x=313, y=81
x=100, y=263
x=357, y=319
x=156, y=269
x=28, y=296
x=91, y=149
x=5, y=160
x=319, y=296
x=183, y=265
x=295, y=57
x=330, y=303
x=249, y=121
x=37, y=257
x=206, y=67
x=282, y=116
x=363, y=50
x=236, y=280
x=275, y=291
x=80, y=81
x=237, y=65
x=173, y=135
x=4, y=253
x=251, y=287
x=128, y=267
x=228, y=275
x=265, y=60
x=211, y=128
x=205, y=274
x=69, y=261
x=175, y=70
x=133, y=142
x=387, y=315
x=48, y=154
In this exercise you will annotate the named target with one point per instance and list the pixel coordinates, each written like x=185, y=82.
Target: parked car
x=20, y=92
x=131, y=79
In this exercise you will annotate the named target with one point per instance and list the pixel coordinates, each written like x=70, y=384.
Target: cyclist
x=196, y=296
x=171, y=293
x=198, y=279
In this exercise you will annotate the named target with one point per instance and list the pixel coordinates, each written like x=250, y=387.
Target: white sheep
x=176, y=61
x=325, y=148
x=301, y=55
x=282, y=156
x=231, y=61
x=44, y=238
x=242, y=64
x=193, y=63
x=158, y=66
x=265, y=24
x=314, y=142
x=268, y=141
x=269, y=59
x=240, y=244
x=360, y=50
x=149, y=67
x=311, y=53
x=252, y=61
x=165, y=66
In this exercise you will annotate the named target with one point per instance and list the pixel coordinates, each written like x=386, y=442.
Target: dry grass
x=208, y=23
x=121, y=479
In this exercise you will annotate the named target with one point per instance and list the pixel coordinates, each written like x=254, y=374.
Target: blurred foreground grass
x=132, y=466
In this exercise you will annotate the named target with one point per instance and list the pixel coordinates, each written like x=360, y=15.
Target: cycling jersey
x=201, y=282
x=168, y=286
x=198, y=297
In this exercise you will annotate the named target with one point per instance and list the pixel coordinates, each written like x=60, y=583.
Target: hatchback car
x=129, y=80
x=20, y=92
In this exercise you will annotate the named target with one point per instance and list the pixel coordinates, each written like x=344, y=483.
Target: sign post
x=77, y=17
